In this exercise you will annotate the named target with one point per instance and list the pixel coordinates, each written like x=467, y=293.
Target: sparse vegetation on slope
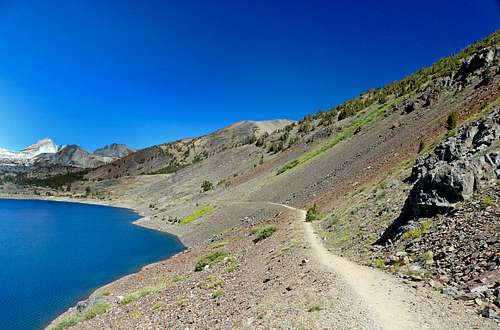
x=204, y=211
x=264, y=232
x=154, y=288
x=210, y=259
x=345, y=134
x=97, y=309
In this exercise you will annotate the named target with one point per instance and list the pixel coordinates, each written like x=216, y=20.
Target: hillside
x=403, y=178
x=170, y=157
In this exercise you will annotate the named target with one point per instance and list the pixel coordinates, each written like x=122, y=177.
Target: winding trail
x=382, y=296
x=388, y=303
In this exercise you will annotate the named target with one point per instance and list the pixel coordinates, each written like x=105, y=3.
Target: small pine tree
x=452, y=121
x=206, y=186
x=313, y=213
x=421, y=146
x=261, y=160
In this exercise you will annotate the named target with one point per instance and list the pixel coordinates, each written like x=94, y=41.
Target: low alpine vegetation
x=217, y=293
x=154, y=288
x=97, y=309
x=487, y=201
x=313, y=214
x=418, y=231
x=264, y=232
x=210, y=259
x=204, y=211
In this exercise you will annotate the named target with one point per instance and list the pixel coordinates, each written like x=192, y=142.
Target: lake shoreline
x=142, y=212
x=142, y=215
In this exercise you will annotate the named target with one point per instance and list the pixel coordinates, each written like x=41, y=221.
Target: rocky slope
x=170, y=157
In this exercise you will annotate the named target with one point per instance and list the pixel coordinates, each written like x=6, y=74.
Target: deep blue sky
x=146, y=72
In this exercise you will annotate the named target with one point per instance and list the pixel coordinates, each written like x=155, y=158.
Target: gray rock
x=450, y=291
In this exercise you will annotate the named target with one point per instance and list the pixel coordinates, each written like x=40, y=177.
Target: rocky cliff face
x=451, y=174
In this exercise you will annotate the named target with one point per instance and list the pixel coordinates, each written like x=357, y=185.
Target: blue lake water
x=53, y=254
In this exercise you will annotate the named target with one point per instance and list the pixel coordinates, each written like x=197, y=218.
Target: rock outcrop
x=458, y=167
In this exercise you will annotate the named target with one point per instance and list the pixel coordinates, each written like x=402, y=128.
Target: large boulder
x=458, y=167
x=440, y=188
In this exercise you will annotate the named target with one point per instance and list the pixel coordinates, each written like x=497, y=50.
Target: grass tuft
x=217, y=293
x=487, y=201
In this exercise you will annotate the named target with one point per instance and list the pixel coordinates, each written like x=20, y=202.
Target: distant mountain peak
x=44, y=146
x=259, y=126
x=114, y=150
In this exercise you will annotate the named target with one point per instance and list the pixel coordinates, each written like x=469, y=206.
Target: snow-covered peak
x=45, y=146
x=28, y=154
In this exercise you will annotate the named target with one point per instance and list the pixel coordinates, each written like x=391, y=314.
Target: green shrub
x=206, y=186
x=210, y=259
x=487, y=201
x=217, y=293
x=264, y=232
x=379, y=263
x=251, y=139
x=413, y=234
x=418, y=231
x=276, y=147
x=452, y=121
x=313, y=214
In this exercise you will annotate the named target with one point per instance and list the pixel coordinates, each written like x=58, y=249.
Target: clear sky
x=146, y=72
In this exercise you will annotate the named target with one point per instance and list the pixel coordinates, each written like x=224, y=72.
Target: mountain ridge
x=45, y=153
